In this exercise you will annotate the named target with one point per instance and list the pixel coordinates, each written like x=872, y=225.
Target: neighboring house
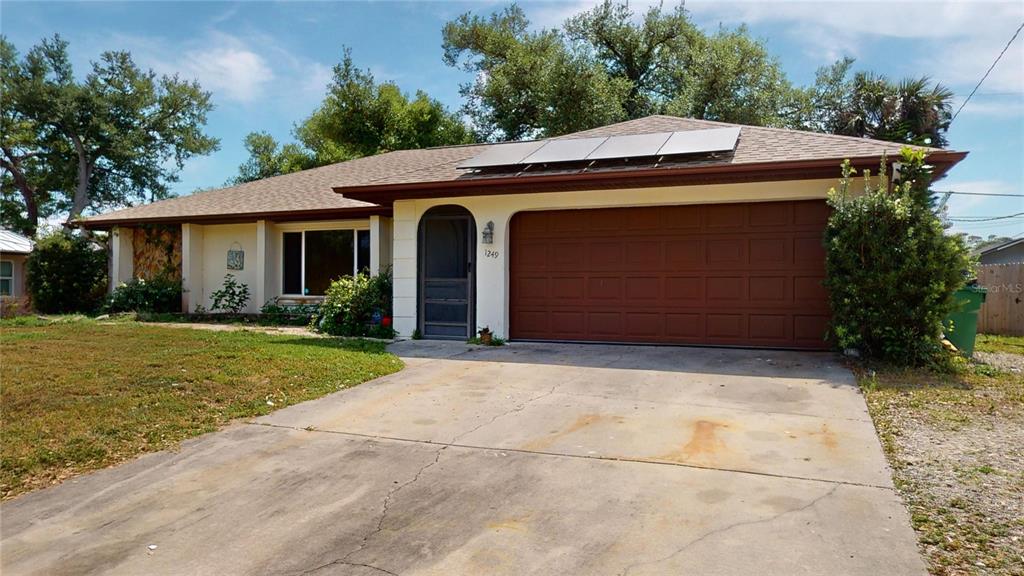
x=1009, y=252
x=14, y=249
x=660, y=229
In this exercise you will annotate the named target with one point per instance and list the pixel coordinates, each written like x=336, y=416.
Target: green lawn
x=956, y=446
x=80, y=395
x=990, y=343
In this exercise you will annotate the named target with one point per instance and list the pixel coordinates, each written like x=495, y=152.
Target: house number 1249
x=490, y=253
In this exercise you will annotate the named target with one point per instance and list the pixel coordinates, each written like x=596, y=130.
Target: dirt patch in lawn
x=81, y=395
x=956, y=446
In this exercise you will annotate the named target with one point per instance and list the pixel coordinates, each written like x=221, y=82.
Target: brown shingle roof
x=313, y=190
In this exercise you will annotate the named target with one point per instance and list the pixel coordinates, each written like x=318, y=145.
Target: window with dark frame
x=312, y=259
x=6, y=278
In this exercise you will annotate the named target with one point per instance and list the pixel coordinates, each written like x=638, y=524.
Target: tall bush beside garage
x=891, y=269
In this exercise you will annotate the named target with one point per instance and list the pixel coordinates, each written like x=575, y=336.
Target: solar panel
x=632, y=146
x=564, y=150
x=502, y=154
x=695, y=141
x=605, y=148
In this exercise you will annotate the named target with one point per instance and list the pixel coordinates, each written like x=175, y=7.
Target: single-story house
x=14, y=250
x=1008, y=252
x=660, y=229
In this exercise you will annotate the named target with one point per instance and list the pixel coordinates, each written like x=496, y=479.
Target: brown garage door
x=721, y=274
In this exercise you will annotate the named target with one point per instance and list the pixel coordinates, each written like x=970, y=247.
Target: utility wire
x=1005, y=48
x=978, y=193
x=985, y=218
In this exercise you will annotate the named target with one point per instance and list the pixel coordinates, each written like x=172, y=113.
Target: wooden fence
x=1003, y=310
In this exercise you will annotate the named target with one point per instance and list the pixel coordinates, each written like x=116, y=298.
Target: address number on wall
x=491, y=254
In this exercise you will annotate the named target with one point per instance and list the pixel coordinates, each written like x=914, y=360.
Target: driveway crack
x=733, y=526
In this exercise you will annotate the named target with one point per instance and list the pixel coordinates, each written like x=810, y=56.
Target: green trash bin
x=961, y=326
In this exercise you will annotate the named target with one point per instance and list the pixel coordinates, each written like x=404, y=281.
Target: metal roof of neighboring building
x=311, y=192
x=14, y=243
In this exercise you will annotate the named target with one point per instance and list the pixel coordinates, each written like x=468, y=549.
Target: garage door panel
x=765, y=290
x=771, y=214
x=726, y=252
x=769, y=252
x=731, y=289
x=729, y=274
x=809, y=289
x=684, y=289
x=810, y=328
x=684, y=253
x=643, y=324
x=769, y=327
x=680, y=326
x=643, y=288
x=727, y=326
x=569, y=324
x=604, y=288
x=719, y=217
x=812, y=214
x=567, y=288
x=604, y=256
x=808, y=250
x=681, y=218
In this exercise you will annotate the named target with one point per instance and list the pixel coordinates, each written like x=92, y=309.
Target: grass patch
x=992, y=343
x=954, y=442
x=80, y=395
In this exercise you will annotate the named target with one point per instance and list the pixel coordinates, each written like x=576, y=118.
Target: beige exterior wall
x=217, y=240
x=205, y=251
x=18, y=268
x=492, y=271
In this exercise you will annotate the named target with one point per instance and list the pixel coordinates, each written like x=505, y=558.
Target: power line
x=1005, y=48
x=985, y=218
x=977, y=193
x=1019, y=215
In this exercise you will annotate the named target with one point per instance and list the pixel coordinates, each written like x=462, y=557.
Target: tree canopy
x=115, y=138
x=358, y=117
x=606, y=65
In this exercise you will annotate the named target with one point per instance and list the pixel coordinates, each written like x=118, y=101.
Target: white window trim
x=354, y=227
x=10, y=278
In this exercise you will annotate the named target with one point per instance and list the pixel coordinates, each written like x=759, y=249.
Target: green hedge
x=891, y=268
x=355, y=306
x=66, y=273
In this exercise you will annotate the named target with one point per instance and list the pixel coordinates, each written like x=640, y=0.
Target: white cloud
x=958, y=39
x=231, y=71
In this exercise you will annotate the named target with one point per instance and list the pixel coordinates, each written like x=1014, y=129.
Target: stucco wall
x=492, y=270
x=217, y=240
x=18, y=267
x=207, y=251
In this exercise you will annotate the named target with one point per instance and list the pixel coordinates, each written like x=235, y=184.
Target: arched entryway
x=446, y=291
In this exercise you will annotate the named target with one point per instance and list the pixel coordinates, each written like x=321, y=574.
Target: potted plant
x=485, y=335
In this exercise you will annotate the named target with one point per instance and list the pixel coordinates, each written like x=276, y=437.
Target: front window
x=313, y=258
x=6, y=278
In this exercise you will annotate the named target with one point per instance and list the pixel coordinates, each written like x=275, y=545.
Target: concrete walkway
x=526, y=459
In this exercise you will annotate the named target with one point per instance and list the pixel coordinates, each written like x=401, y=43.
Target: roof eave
x=386, y=194
x=278, y=216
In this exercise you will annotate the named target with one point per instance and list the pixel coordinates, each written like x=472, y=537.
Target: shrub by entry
x=891, y=269
x=357, y=306
x=161, y=294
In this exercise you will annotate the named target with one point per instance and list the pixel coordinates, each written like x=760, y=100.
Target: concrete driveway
x=527, y=459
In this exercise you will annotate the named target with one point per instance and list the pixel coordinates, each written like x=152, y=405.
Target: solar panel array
x=606, y=148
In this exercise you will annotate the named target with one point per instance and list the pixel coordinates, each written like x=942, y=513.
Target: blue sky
x=267, y=63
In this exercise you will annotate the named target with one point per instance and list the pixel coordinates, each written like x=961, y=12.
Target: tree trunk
x=28, y=194
x=81, y=199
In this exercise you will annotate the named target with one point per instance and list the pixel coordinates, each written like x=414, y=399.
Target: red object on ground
x=385, y=321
